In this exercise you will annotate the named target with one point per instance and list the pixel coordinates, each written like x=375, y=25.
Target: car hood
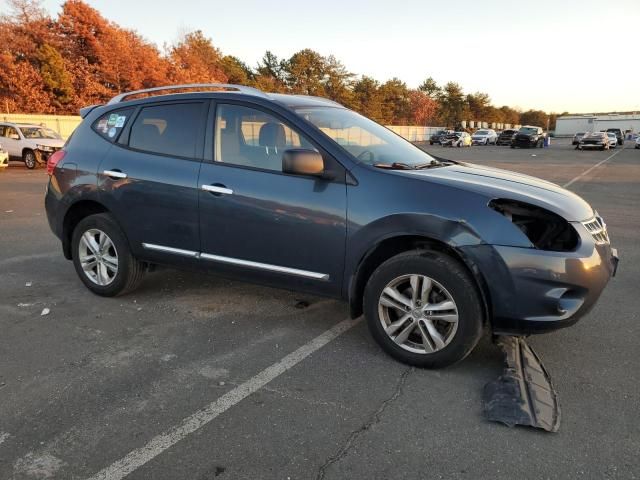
x=49, y=142
x=497, y=183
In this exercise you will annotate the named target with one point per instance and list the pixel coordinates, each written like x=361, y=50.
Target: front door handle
x=217, y=188
x=115, y=174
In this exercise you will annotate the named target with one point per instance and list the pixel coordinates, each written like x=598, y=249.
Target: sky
x=561, y=55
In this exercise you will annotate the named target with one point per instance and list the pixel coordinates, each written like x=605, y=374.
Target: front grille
x=598, y=230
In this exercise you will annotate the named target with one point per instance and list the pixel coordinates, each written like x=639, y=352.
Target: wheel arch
x=395, y=245
x=74, y=214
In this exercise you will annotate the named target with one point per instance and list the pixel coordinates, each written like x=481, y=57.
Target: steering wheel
x=366, y=152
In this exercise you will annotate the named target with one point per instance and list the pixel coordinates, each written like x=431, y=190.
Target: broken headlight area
x=544, y=229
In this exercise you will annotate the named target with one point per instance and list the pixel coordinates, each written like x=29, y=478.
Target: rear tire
x=450, y=282
x=115, y=270
x=29, y=159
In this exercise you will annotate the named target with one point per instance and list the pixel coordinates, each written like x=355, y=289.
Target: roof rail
x=222, y=86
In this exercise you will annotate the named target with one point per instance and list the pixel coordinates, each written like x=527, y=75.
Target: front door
x=260, y=223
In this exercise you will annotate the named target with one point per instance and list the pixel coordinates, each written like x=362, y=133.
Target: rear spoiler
x=87, y=110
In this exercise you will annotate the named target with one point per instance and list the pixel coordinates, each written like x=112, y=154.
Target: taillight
x=53, y=160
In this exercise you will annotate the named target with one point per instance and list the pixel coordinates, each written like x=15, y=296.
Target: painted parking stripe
x=586, y=172
x=138, y=457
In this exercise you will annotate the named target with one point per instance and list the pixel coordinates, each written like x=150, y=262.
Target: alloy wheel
x=30, y=160
x=98, y=257
x=418, y=313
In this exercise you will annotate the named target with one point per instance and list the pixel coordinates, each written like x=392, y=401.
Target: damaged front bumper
x=536, y=291
x=523, y=394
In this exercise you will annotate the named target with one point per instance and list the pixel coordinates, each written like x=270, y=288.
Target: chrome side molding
x=238, y=262
x=175, y=251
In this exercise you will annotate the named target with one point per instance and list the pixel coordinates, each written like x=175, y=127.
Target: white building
x=571, y=124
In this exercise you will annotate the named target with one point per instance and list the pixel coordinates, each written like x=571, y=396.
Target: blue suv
x=301, y=193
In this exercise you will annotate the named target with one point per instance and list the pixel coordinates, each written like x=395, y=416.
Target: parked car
x=594, y=140
x=438, y=136
x=577, y=137
x=613, y=140
x=4, y=158
x=456, y=139
x=31, y=144
x=637, y=142
x=484, y=137
x=619, y=134
x=264, y=187
x=505, y=137
x=528, y=137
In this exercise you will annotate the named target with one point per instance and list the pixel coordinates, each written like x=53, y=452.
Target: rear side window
x=111, y=124
x=168, y=129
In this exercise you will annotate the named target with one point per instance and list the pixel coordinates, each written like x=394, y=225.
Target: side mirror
x=299, y=161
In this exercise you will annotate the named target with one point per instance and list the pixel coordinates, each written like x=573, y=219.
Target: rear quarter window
x=109, y=125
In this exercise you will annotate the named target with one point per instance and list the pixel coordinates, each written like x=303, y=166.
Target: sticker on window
x=113, y=118
x=120, y=121
x=102, y=125
x=112, y=132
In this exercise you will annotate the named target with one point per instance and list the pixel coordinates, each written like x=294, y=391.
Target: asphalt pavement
x=197, y=377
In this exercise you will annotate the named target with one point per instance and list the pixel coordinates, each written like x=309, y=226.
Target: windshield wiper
x=394, y=166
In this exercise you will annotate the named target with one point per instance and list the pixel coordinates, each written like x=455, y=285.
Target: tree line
x=58, y=65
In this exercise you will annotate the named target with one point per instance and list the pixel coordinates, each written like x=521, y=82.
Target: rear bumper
x=534, y=291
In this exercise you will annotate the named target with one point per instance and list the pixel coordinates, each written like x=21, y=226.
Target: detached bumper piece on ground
x=523, y=394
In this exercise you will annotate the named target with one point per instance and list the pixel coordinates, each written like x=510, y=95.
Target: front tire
x=423, y=308
x=29, y=159
x=102, y=257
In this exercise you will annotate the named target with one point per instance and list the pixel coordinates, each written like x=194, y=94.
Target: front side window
x=168, y=129
x=252, y=138
x=366, y=140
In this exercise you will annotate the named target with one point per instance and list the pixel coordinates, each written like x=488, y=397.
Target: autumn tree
x=423, y=108
x=194, y=59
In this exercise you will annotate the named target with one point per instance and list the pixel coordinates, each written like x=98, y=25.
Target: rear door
x=149, y=177
x=262, y=224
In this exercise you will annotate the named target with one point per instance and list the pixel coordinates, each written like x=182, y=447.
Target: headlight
x=544, y=229
x=45, y=148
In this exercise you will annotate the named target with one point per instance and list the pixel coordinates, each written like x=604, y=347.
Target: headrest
x=272, y=135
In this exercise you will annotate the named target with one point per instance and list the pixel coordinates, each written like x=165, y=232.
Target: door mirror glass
x=300, y=161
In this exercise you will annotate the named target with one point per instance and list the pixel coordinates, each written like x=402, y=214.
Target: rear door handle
x=217, y=188
x=115, y=174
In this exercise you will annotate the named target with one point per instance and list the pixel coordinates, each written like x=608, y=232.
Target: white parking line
x=586, y=172
x=138, y=457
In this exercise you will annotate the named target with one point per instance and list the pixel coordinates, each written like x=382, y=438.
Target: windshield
x=39, y=132
x=528, y=130
x=482, y=132
x=367, y=141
